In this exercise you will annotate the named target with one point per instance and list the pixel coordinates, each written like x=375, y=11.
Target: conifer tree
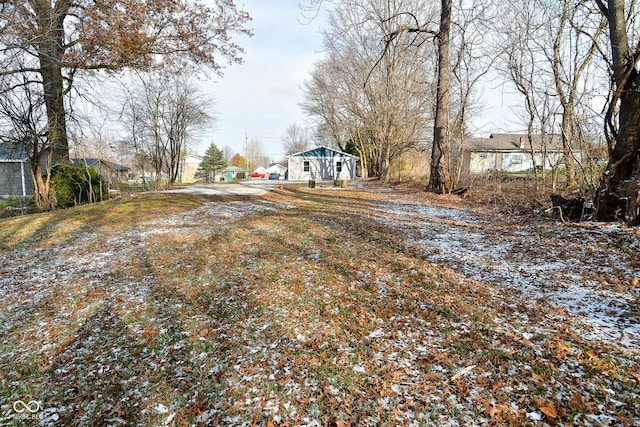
x=212, y=162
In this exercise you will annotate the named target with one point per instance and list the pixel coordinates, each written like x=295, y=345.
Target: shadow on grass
x=65, y=225
x=142, y=371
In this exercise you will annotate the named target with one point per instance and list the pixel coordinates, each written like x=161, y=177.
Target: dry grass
x=299, y=308
x=507, y=193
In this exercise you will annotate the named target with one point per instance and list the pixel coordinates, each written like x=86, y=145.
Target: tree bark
x=567, y=143
x=54, y=103
x=618, y=197
x=50, y=22
x=440, y=180
x=41, y=181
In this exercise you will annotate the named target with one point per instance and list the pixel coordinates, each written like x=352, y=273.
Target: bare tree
x=227, y=154
x=461, y=63
x=324, y=99
x=161, y=117
x=549, y=49
x=471, y=62
x=524, y=64
x=574, y=48
x=23, y=124
x=374, y=102
x=618, y=196
x=254, y=154
x=296, y=139
x=567, y=36
x=186, y=114
x=146, y=109
x=440, y=178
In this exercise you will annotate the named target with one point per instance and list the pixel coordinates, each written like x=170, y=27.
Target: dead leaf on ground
x=548, y=408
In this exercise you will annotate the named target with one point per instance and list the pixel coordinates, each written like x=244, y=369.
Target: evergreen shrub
x=77, y=184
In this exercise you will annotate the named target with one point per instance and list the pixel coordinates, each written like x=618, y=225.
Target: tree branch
x=389, y=38
x=602, y=7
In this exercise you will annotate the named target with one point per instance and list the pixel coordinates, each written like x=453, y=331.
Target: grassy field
x=296, y=308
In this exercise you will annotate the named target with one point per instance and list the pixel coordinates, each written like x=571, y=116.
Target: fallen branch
x=559, y=209
x=462, y=372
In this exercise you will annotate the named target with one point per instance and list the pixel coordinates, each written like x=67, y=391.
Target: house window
x=517, y=158
x=338, y=167
x=306, y=166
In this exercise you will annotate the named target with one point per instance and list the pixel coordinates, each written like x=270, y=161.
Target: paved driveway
x=244, y=188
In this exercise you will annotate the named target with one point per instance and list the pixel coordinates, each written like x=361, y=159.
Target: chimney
x=522, y=142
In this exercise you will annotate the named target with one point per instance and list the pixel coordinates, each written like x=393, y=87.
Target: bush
x=76, y=184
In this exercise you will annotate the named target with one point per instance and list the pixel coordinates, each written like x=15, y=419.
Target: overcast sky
x=259, y=98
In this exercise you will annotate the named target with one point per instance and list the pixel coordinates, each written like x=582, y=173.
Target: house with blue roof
x=322, y=164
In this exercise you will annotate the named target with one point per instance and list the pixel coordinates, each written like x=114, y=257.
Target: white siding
x=321, y=168
x=482, y=162
x=515, y=161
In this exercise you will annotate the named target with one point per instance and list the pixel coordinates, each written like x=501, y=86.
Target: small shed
x=232, y=173
x=322, y=163
x=15, y=171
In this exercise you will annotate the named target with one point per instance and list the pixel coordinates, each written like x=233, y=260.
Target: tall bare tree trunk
x=385, y=164
x=619, y=193
x=440, y=180
x=53, y=94
x=567, y=143
x=50, y=21
x=567, y=79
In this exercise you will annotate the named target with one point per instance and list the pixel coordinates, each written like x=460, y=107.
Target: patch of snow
x=574, y=268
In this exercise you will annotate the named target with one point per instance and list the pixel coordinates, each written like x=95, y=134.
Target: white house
x=513, y=153
x=322, y=163
x=189, y=164
x=276, y=168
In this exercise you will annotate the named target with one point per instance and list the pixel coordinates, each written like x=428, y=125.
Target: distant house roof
x=12, y=152
x=260, y=169
x=91, y=162
x=513, y=142
x=190, y=157
x=322, y=152
x=278, y=168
